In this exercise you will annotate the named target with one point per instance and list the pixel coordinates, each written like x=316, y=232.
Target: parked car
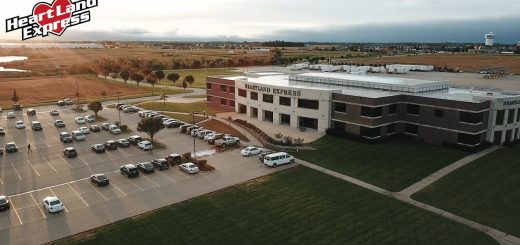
x=135, y=139
x=227, y=141
x=161, y=164
x=65, y=137
x=120, y=105
x=1, y=151
x=263, y=154
x=11, y=115
x=110, y=145
x=36, y=126
x=84, y=130
x=142, y=113
x=189, y=168
x=90, y=118
x=2, y=132
x=69, y=102
x=173, y=124
x=11, y=147
x=4, y=203
x=53, y=204
x=123, y=143
x=105, y=126
x=59, y=123
x=17, y=107
x=95, y=128
x=174, y=158
x=99, y=179
x=98, y=148
x=130, y=109
x=146, y=167
x=114, y=129
x=78, y=135
x=31, y=112
x=250, y=151
x=208, y=136
x=60, y=103
x=20, y=125
x=54, y=113
x=277, y=159
x=191, y=128
x=216, y=137
x=70, y=152
x=129, y=170
x=194, y=132
x=202, y=134
x=145, y=145
x=184, y=127
x=80, y=120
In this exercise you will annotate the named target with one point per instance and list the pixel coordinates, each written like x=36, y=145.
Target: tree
x=114, y=75
x=184, y=84
x=95, y=107
x=160, y=74
x=163, y=97
x=150, y=126
x=124, y=75
x=137, y=77
x=189, y=79
x=15, y=97
x=147, y=72
x=105, y=73
x=173, y=77
x=152, y=79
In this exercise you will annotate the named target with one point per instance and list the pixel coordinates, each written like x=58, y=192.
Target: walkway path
x=499, y=236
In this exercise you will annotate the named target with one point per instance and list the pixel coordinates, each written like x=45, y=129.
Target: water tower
x=490, y=38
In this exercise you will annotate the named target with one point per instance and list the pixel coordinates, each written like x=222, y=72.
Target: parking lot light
x=193, y=119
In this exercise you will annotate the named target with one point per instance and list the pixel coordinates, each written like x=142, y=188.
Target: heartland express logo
x=52, y=18
x=287, y=92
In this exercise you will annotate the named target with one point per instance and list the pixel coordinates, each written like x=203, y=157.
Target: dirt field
x=466, y=62
x=41, y=90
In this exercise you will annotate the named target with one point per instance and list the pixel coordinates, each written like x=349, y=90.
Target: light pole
x=193, y=119
x=118, y=93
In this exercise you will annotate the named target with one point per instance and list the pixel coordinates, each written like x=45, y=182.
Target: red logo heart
x=50, y=17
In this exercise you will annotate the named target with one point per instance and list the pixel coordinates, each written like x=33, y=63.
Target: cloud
x=132, y=31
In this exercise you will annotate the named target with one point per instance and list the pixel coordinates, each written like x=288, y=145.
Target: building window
x=413, y=109
x=468, y=139
x=268, y=116
x=285, y=119
x=242, y=93
x=500, y=117
x=339, y=126
x=208, y=86
x=392, y=109
x=340, y=107
x=232, y=103
x=411, y=129
x=268, y=98
x=518, y=115
x=309, y=104
x=390, y=128
x=285, y=101
x=232, y=90
x=371, y=111
x=254, y=95
x=223, y=101
x=370, y=132
x=471, y=117
x=208, y=98
x=223, y=88
x=511, y=116
x=438, y=113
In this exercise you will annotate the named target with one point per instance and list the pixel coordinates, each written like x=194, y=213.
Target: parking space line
x=115, y=186
x=1, y=181
x=86, y=164
x=153, y=182
x=38, y=206
x=98, y=192
x=15, y=212
x=33, y=168
x=78, y=195
x=16, y=171
x=61, y=157
x=44, y=141
x=50, y=165
x=54, y=194
x=167, y=177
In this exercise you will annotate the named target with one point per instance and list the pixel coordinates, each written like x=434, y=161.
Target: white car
x=114, y=129
x=196, y=131
x=209, y=136
x=53, y=205
x=84, y=130
x=145, y=145
x=11, y=115
x=20, y=125
x=80, y=120
x=250, y=151
x=189, y=168
x=90, y=119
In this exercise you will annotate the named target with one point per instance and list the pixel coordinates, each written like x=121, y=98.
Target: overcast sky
x=297, y=20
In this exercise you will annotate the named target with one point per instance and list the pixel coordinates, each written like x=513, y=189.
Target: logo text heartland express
x=52, y=18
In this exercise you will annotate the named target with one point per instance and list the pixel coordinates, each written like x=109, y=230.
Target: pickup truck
x=227, y=141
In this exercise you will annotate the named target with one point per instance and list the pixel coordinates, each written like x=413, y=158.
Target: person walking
x=29, y=148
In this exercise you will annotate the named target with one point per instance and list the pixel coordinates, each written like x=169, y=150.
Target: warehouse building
x=372, y=107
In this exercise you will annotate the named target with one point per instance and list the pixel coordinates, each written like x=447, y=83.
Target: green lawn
x=393, y=165
x=200, y=107
x=199, y=75
x=486, y=191
x=297, y=206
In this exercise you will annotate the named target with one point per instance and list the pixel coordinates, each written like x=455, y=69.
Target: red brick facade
x=221, y=93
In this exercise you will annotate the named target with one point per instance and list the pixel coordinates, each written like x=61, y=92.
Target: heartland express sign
x=268, y=90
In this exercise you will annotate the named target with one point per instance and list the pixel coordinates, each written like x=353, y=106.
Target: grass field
x=221, y=127
x=200, y=107
x=486, y=191
x=297, y=206
x=199, y=75
x=393, y=165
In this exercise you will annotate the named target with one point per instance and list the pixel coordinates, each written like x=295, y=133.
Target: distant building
x=490, y=39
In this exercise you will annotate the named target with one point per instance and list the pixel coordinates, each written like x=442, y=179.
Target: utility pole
x=194, y=156
x=118, y=93
x=77, y=93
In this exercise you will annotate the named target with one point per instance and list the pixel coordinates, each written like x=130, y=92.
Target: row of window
x=224, y=102
x=222, y=88
x=500, y=119
x=412, y=109
x=284, y=101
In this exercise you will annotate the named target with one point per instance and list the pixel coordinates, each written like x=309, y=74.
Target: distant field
x=486, y=191
x=393, y=165
x=199, y=75
x=296, y=206
x=466, y=62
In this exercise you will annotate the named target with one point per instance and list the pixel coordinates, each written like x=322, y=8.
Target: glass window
x=371, y=111
x=438, y=113
x=413, y=109
x=309, y=104
x=268, y=98
x=209, y=98
x=285, y=101
x=411, y=129
x=232, y=90
x=392, y=109
x=370, y=132
x=500, y=117
x=468, y=139
x=340, y=107
x=223, y=88
x=208, y=86
x=511, y=116
x=223, y=101
x=242, y=93
x=471, y=117
x=254, y=95
x=390, y=128
x=232, y=103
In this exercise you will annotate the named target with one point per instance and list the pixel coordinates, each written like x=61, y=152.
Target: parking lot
x=29, y=176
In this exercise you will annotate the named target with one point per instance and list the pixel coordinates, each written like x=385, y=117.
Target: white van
x=277, y=159
x=78, y=135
